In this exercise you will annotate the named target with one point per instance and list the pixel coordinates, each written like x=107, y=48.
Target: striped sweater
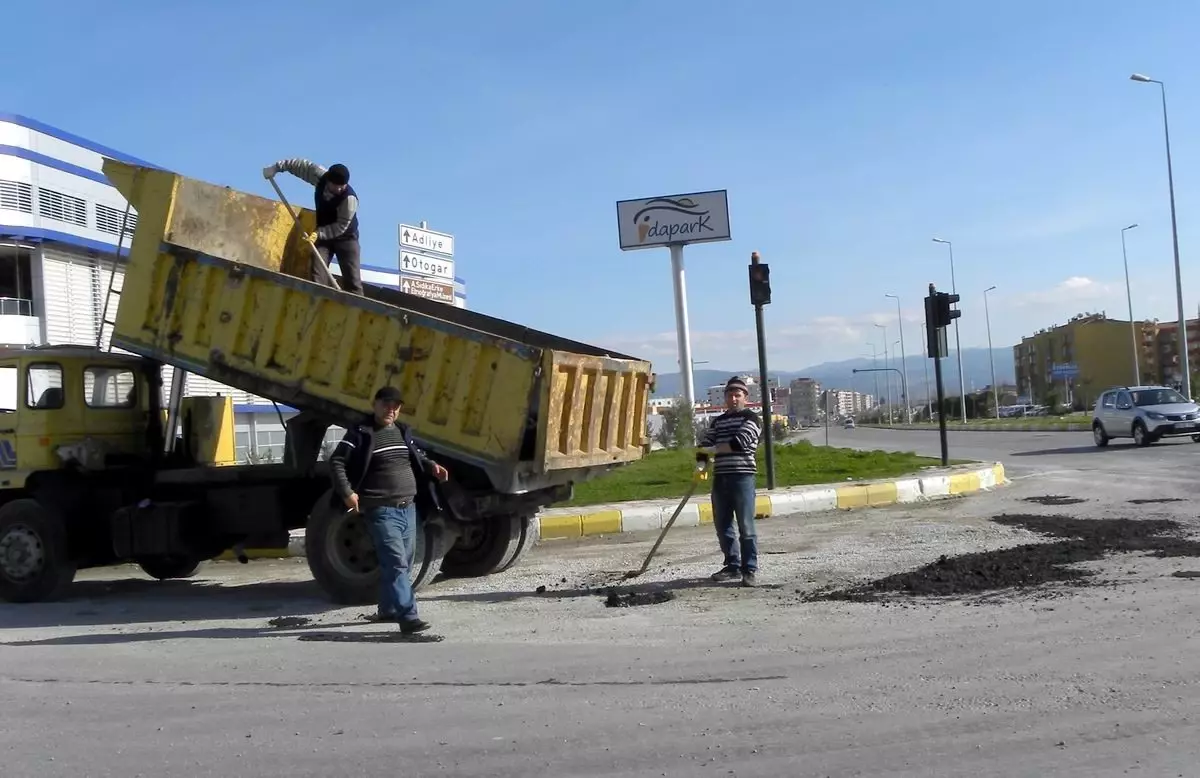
x=740, y=429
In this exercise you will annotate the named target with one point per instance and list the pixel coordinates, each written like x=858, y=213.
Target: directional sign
x=1064, y=370
x=425, y=265
x=426, y=240
x=427, y=288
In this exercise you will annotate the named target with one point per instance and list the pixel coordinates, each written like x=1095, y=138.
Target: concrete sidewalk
x=640, y=516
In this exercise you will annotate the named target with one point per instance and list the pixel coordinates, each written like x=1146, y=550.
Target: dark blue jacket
x=327, y=210
x=353, y=454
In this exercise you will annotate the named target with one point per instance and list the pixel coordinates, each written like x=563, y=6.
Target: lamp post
x=875, y=366
x=903, y=361
x=925, y=364
x=887, y=377
x=991, y=358
x=1137, y=368
x=962, y=382
x=1183, y=338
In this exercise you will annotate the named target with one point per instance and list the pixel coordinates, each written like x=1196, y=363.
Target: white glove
x=270, y=171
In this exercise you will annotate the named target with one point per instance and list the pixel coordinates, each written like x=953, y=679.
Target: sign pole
x=682, y=333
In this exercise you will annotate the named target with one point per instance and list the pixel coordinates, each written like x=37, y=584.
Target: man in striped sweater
x=733, y=438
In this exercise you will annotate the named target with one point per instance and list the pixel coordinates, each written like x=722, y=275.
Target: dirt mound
x=1029, y=565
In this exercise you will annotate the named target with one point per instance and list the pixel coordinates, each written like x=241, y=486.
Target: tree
x=679, y=426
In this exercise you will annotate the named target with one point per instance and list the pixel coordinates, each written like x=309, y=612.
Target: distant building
x=845, y=402
x=1074, y=362
x=805, y=400
x=659, y=404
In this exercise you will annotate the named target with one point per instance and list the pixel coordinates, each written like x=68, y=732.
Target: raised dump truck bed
x=216, y=285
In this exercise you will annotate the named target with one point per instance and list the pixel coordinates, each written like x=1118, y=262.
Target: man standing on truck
x=379, y=472
x=733, y=438
x=337, y=215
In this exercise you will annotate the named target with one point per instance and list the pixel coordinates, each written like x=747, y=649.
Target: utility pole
x=760, y=295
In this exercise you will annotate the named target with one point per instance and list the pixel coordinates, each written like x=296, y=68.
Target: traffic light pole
x=936, y=335
x=768, y=408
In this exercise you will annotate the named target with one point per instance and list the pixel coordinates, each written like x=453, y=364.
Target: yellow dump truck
x=217, y=285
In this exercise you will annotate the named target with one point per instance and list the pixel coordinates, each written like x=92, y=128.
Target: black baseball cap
x=389, y=394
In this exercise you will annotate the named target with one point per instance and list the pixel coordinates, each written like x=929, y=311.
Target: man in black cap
x=733, y=438
x=382, y=474
x=336, y=205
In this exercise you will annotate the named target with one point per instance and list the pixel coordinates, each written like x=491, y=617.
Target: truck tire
x=341, y=555
x=491, y=546
x=167, y=567
x=529, y=538
x=35, y=563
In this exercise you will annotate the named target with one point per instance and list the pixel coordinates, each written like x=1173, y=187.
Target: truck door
x=9, y=417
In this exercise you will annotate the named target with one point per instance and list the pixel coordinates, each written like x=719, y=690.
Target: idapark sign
x=701, y=217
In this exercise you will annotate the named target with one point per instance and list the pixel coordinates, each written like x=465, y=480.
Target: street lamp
x=903, y=361
x=1137, y=369
x=962, y=382
x=887, y=376
x=874, y=367
x=1183, y=339
x=991, y=359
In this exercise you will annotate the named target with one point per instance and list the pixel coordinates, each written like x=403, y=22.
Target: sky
x=847, y=135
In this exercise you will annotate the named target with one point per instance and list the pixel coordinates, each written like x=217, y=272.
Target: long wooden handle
x=319, y=262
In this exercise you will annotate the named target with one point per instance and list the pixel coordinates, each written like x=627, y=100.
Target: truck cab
x=62, y=405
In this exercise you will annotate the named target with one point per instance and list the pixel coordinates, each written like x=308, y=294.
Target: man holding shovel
x=733, y=438
x=336, y=205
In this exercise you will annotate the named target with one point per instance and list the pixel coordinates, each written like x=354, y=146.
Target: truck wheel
x=529, y=538
x=35, y=564
x=490, y=546
x=165, y=567
x=341, y=554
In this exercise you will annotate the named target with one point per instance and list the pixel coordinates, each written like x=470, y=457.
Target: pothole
x=368, y=637
x=1154, y=500
x=635, y=599
x=1054, y=499
x=1031, y=565
x=289, y=622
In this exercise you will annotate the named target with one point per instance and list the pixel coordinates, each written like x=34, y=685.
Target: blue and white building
x=60, y=221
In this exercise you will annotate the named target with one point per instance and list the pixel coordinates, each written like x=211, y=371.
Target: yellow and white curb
x=566, y=523
x=618, y=518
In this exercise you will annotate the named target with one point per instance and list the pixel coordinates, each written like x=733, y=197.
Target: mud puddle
x=1029, y=566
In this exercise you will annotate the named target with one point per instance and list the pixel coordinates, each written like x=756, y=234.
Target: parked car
x=848, y=424
x=1144, y=413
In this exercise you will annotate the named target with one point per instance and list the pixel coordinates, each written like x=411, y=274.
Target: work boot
x=748, y=579
x=378, y=617
x=727, y=574
x=413, y=626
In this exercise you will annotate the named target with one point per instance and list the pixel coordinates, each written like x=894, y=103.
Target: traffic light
x=945, y=313
x=760, y=284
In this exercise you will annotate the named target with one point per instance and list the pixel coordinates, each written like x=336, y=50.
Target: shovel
x=698, y=475
x=321, y=268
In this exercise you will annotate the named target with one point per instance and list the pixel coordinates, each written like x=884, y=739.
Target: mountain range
x=977, y=373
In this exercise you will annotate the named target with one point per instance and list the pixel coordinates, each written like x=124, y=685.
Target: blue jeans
x=394, y=532
x=733, y=497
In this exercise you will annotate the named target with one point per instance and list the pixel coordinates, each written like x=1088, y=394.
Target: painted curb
x=568, y=523
x=619, y=518
x=983, y=427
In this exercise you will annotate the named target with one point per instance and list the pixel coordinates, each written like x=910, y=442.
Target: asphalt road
x=133, y=677
x=1025, y=453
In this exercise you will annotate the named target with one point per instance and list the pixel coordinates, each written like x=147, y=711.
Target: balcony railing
x=15, y=306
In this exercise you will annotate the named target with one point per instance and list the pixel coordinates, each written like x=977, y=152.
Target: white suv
x=1144, y=413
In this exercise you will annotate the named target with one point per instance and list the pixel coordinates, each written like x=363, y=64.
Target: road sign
x=675, y=220
x=1064, y=370
x=426, y=265
x=427, y=288
x=426, y=240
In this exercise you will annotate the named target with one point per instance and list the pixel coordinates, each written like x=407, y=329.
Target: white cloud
x=1071, y=291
